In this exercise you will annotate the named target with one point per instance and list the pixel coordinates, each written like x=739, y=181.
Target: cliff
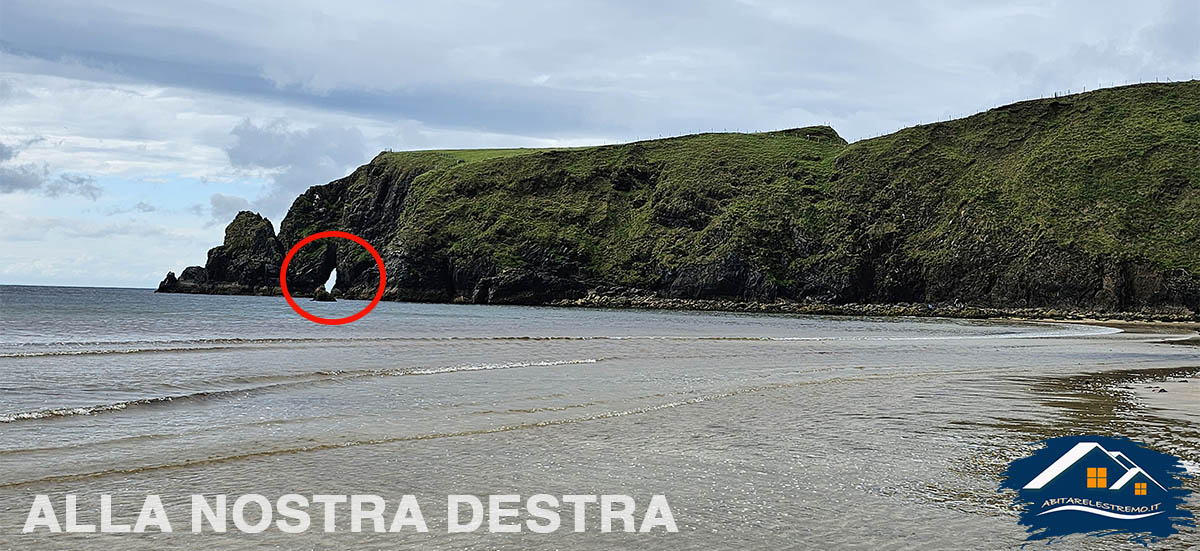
x=1086, y=203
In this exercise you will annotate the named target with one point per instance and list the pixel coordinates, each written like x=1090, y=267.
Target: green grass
x=623, y=213
x=1112, y=173
x=455, y=156
x=991, y=208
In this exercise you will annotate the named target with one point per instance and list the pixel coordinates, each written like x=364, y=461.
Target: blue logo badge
x=1099, y=485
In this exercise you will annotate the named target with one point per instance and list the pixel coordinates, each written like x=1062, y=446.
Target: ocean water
x=763, y=431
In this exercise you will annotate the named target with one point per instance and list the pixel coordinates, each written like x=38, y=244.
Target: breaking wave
x=80, y=348
x=485, y=367
x=299, y=379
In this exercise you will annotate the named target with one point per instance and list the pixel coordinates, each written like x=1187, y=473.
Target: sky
x=132, y=131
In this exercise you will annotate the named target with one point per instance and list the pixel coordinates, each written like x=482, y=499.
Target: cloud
x=203, y=109
x=612, y=70
x=9, y=152
x=36, y=228
x=1174, y=36
x=222, y=208
x=141, y=207
x=27, y=177
x=35, y=178
x=73, y=184
x=71, y=250
x=295, y=158
x=10, y=92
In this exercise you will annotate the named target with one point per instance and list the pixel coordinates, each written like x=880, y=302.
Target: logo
x=1099, y=485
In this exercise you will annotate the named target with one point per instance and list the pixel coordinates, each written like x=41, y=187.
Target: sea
x=760, y=431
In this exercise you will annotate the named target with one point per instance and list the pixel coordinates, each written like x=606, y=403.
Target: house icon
x=1099, y=485
x=1091, y=465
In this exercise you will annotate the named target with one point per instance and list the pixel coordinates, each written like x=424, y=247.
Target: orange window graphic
x=1097, y=477
x=1139, y=489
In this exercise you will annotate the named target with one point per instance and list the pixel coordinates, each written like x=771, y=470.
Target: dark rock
x=194, y=275
x=321, y=295
x=246, y=263
x=194, y=279
x=168, y=283
x=250, y=256
x=731, y=277
x=525, y=287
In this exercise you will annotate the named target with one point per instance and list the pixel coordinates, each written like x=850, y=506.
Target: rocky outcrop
x=247, y=263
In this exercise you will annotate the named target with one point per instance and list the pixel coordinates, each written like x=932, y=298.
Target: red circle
x=332, y=321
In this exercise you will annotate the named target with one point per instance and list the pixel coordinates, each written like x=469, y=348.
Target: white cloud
x=297, y=158
x=35, y=178
x=198, y=110
x=224, y=207
x=26, y=177
x=73, y=184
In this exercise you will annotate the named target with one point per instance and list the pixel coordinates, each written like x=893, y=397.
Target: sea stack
x=321, y=295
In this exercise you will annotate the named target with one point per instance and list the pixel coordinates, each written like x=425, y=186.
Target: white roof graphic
x=1076, y=453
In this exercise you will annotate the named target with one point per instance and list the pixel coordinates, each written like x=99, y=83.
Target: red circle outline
x=331, y=321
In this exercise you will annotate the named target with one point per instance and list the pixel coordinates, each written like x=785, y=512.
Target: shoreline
x=1143, y=319
x=1176, y=315
x=1189, y=328
x=1171, y=394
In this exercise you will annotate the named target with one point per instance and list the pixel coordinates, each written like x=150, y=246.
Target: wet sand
x=764, y=431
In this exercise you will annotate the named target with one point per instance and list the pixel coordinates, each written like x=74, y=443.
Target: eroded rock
x=246, y=263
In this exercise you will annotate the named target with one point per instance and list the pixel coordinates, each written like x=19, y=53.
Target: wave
x=104, y=352
x=126, y=404
x=299, y=379
x=205, y=340
x=211, y=344
x=80, y=348
x=187, y=463
x=485, y=367
x=1100, y=512
x=373, y=442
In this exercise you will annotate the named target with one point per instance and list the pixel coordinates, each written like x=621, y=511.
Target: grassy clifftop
x=1111, y=171
x=1096, y=188
x=627, y=214
x=1086, y=202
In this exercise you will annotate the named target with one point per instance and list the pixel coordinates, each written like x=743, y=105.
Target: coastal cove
x=541, y=276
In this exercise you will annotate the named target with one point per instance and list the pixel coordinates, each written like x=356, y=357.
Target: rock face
x=247, y=263
x=525, y=287
x=321, y=295
x=728, y=277
x=1086, y=203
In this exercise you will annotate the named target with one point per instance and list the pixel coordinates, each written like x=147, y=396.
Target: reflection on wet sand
x=1156, y=407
